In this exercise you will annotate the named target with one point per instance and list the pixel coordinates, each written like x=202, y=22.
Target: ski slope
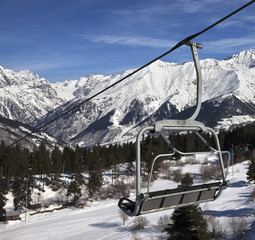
x=101, y=220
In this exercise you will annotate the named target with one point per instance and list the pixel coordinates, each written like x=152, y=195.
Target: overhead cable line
x=181, y=43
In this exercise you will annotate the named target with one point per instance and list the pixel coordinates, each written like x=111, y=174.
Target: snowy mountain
x=24, y=96
x=162, y=90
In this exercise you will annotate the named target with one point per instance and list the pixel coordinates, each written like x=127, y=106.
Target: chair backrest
x=171, y=198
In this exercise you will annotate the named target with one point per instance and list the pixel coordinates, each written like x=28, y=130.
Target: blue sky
x=60, y=39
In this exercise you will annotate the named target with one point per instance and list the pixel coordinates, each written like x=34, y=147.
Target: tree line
x=18, y=165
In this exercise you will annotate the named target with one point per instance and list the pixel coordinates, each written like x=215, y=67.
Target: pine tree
x=43, y=162
x=95, y=181
x=186, y=181
x=191, y=142
x=74, y=190
x=95, y=173
x=68, y=158
x=19, y=193
x=251, y=170
x=3, y=199
x=237, y=154
x=188, y=222
x=3, y=185
x=56, y=159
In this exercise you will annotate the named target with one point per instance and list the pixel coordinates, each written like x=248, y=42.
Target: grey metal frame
x=189, y=124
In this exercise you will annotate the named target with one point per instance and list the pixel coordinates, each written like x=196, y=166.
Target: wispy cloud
x=182, y=6
x=134, y=41
x=229, y=23
x=250, y=18
x=228, y=44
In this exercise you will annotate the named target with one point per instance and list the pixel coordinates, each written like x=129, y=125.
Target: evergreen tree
x=43, y=162
x=191, y=142
x=3, y=185
x=237, y=154
x=19, y=193
x=77, y=161
x=74, y=190
x=22, y=190
x=56, y=159
x=188, y=222
x=251, y=170
x=3, y=199
x=95, y=173
x=68, y=158
x=186, y=181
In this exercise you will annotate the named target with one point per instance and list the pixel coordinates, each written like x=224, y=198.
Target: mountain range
x=163, y=90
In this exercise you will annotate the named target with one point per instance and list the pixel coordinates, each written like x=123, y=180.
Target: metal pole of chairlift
x=194, y=47
x=26, y=199
x=232, y=158
x=27, y=179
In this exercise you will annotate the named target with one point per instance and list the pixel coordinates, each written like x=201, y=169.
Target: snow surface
x=228, y=123
x=101, y=220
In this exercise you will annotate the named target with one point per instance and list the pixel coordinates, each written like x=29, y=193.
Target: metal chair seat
x=171, y=198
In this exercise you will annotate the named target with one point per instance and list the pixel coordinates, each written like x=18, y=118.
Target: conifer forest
x=19, y=167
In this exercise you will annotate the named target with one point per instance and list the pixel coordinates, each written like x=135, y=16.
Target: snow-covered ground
x=101, y=220
x=227, y=123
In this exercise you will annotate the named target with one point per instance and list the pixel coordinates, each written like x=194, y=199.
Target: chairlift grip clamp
x=197, y=45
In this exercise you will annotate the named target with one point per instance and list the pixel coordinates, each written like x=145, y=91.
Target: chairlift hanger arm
x=193, y=47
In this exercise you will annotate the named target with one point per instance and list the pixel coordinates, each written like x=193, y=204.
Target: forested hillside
x=19, y=168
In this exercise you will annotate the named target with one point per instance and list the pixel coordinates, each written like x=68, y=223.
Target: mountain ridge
x=170, y=87
x=161, y=90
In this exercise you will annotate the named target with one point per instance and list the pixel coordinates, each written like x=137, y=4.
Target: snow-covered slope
x=70, y=89
x=101, y=219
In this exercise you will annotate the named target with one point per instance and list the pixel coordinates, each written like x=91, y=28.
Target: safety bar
x=175, y=150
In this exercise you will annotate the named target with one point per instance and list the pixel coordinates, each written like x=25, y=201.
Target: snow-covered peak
x=246, y=58
x=25, y=96
x=78, y=88
x=23, y=77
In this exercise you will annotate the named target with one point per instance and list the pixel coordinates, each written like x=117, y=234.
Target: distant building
x=12, y=215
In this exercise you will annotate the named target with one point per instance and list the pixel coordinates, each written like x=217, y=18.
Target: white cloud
x=228, y=44
x=135, y=41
